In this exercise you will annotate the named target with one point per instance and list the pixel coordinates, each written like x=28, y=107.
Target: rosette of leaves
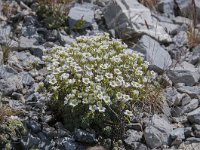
x=96, y=81
x=53, y=14
x=11, y=131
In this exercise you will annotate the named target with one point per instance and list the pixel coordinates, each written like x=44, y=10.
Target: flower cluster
x=98, y=72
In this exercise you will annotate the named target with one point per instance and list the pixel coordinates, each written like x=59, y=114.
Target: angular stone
x=31, y=44
x=195, y=58
x=153, y=52
x=25, y=59
x=157, y=132
x=170, y=28
x=34, y=126
x=178, y=133
x=154, y=138
x=6, y=71
x=194, y=103
x=83, y=12
x=129, y=18
x=184, y=73
x=192, y=91
x=194, y=116
x=69, y=144
x=181, y=39
x=132, y=136
x=185, y=7
x=192, y=146
x=177, y=136
x=185, y=100
x=177, y=111
x=10, y=84
x=65, y=39
x=136, y=146
x=193, y=140
x=166, y=6
x=27, y=79
x=16, y=104
x=84, y=136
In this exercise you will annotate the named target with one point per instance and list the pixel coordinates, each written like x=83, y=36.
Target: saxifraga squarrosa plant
x=96, y=80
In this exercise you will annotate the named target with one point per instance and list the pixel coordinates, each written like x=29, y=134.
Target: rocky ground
x=163, y=33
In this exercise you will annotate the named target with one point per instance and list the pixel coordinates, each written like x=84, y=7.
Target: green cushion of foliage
x=96, y=79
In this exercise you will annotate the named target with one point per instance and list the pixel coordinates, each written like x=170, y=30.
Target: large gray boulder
x=157, y=132
x=185, y=7
x=184, y=73
x=158, y=57
x=130, y=19
x=166, y=6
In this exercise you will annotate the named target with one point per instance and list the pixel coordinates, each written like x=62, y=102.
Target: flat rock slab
x=130, y=19
x=194, y=116
x=192, y=91
x=156, y=55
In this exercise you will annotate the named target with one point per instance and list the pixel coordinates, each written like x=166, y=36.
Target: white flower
x=14, y=117
x=101, y=109
x=120, y=79
x=77, y=69
x=153, y=74
x=98, y=88
x=64, y=76
x=92, y=108
x=126, y=97
x=117, y=71
x=65, y=67
x=73, y=103
x=55, y=63
x=128, y=113
x=127, y=84
x=100, y=96
x=89, y=67
x=74, y=91
x=85, y=101
x=49, y=67
x=116, y=59
x=113, y=84
x=145, y=79
x=55, y=88
x=109, y=75
x=71, y=81
x=71, y=95
x=119, y=95
x=69, y=60
x=87, y=54
x=139, y=72
x=52, y=81
x=66, y=100
x=107, y=99
x=89, y=73
x=99, y=78
x=135, y=84
x=136, y=92
x=104, y=66
x=86, y=80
